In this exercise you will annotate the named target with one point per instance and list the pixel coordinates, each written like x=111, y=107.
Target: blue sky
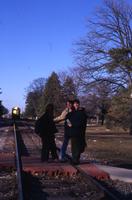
x=36, y=38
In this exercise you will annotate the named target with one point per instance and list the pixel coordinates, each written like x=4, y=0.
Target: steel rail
x=99, y=185
x=110, y=195
x=87, y=175
x=18, y=164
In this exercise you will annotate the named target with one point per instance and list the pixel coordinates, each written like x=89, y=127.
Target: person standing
x=76, y=126
x=47, y=130
x=62, y=117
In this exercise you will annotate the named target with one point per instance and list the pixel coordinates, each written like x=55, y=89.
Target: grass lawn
x=113, y=149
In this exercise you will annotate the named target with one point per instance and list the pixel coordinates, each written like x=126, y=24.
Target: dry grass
x=113, y=150
x=104, y=130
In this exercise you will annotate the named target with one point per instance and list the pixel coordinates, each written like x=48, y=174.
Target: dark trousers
x=48, y=145
x=75, y=148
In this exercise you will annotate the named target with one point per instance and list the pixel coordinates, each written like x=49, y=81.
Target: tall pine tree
x=69, y=89
x=33, y=98
x=53, y=94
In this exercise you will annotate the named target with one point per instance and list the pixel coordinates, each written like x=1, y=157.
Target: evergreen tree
x=3, y=109
x=31, y=105
x=119, y=113
x=69, y=89
x=53, y=94
x=33, y=98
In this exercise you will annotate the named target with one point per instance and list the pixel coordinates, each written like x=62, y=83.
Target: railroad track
x=35, y=181
x=55, y=186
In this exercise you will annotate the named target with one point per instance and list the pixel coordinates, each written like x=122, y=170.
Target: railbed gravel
x=121, y=189
x=8, y=189
x=44, y=187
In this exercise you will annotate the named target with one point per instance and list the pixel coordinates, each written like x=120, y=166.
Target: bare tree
x=99, y=55
x=98, y=102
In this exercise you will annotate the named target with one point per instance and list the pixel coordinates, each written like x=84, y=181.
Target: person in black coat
x=47, y=129
x=75, y=128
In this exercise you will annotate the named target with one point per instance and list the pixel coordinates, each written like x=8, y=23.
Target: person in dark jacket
x=47, y=130
x=75, y=128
